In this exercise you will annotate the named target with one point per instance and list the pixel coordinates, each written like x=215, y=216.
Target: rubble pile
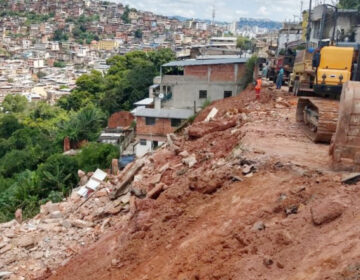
x=31, y=248
x=242, y=194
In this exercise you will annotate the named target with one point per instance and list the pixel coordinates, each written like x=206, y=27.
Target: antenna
x=213, y=15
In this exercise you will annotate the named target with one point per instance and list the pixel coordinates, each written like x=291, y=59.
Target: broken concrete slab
x=81, y=224
x=190, y=161
x=212, y=114
x=127, y=175
x=156, y=191
x=350, y=179
x=247, y=169
x=5, y=273
x=25, y=241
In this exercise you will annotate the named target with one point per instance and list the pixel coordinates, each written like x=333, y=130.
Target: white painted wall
x=141, y=150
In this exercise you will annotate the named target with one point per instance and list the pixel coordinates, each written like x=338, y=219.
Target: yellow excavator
x=333, y=76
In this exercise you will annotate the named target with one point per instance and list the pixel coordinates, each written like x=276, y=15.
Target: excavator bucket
x=345, y=148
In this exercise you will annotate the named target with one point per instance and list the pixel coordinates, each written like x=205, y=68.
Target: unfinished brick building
x=190, y=83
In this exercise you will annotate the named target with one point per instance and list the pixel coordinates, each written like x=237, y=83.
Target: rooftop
x=145, y=102
x=165, y=113
x=194, y=62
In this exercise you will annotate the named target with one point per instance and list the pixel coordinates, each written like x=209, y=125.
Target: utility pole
x=308, y=31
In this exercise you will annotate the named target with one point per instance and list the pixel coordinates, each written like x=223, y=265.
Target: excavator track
x=319, y=117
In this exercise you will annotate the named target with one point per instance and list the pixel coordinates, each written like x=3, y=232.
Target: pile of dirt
x=243, y=196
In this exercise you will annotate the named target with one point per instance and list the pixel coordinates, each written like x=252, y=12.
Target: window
x=227, y=93
x=175, y=122
x=143, y=142
x=155, y=144
x=150, y=121
x=203, y=94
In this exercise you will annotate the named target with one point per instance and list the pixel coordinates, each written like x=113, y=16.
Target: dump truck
x=320, y=88
x=303, y=75
x=286, y=62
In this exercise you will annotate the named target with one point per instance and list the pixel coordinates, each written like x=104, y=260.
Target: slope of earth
x=245, y=196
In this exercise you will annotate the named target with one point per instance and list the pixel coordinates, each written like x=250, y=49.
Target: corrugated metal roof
x=193, y=62
x=144, y=102
x=165, y=113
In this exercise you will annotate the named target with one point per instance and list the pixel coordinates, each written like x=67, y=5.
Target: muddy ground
x=289, y=218
x=260, y=201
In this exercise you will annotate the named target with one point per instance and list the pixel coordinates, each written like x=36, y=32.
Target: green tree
x=244, y=43
x=249, y=71
x=41, y=74
x=84, y=125
x=60, y=64
x=138, y=34
x=161, y=57
x=14, y=103
x=125, y=15
x=92, y=83
x=97, y=155
x=8, y=125
x=349, y=4
x=76, y=100
x=60, y=35
x=58, y=173
x=15, y=161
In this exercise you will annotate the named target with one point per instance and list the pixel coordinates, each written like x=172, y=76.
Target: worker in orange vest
x=258, y=87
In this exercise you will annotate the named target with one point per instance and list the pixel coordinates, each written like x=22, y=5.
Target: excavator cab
x=334, y=70
x=336, y=65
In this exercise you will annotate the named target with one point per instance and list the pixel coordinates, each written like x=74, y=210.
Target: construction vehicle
x=302, y=77
x=286, y=62
x=321, y=88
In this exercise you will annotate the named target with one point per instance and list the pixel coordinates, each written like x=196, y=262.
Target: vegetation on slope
x=33, y=169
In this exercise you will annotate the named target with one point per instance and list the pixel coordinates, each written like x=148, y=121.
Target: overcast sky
x=226, y=10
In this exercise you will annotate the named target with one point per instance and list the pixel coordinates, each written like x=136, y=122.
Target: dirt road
x=260, y=202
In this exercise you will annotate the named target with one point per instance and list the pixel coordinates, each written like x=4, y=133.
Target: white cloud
x=263, y=11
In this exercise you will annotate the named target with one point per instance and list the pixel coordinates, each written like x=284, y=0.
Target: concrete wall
x=141, y=150
x=345, y=22
x=215, y=79
x=185, y=94
x=285, y=37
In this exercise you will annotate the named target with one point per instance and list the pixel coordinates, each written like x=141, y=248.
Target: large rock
x=326, y=212
x=25, y=241
x=81, y=223
x=201, y=129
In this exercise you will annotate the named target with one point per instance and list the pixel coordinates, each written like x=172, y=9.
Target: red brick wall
x=161, y=127
x=200, y=72
x=221, y=73
x=120, y=119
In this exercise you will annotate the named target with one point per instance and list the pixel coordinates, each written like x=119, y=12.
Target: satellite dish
x=161, y=95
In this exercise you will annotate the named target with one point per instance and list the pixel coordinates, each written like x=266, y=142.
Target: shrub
x=97, y=155
x=58, y=173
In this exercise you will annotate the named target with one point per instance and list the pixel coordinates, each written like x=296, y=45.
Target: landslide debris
x=252, y=200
